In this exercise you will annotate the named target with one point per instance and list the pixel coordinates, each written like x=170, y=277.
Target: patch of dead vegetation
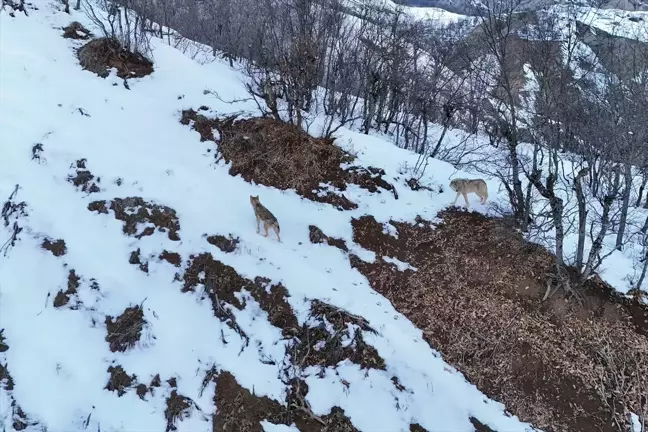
x=336, y=336
x=83, y=179
x=238, y=410
x=266, y=151
x=56, y=247
x=19, y=419
x=135, y=211
x=136, y=259
x=477, y=298
x=63, y=297
x=201, y=124
x=178, y=408
x=172, y=258
x=119, y=380
x=76, y=30
x=316, y=236
x=221, y=284
x=3, y=342
x=226, y=244
x=102, y=54
x=124, y=331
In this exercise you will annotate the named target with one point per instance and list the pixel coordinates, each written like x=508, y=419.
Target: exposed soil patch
x=125, y=331
x=277, y=154
x=57, y=247
x=119, y=380
x=336, y=337
x=226, y=244
x=6, y=380
x=75, y=30
x=238, y=410
x=316, y=235
x=83, y=179
x=140, y=217
x=222, y=282
x=178, y=407
x=171, y=257
x=201, y=124
x=136, y=259
x=477, y=298
x=63, y=297
x=103, y=54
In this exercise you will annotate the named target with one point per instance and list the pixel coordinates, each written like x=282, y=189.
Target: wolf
x=465, y=186
x=264, y=215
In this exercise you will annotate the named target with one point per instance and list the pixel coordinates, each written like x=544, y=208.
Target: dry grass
x=102, y=54
x=476, y=296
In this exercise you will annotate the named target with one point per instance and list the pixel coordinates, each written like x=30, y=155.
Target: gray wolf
x=465, y=186
x=264, y=215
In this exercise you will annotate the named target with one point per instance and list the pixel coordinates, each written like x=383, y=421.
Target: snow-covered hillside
x=67, y=362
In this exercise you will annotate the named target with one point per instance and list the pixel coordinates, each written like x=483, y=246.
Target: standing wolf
x=465, y=186
x=264, y=215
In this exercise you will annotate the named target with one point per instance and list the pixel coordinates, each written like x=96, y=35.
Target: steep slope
x=119, y=313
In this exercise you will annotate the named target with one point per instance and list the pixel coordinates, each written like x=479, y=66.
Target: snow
x=59, y=358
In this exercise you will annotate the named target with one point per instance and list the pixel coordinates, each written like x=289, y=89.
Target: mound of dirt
x=226, y=244
x=319, y=346
x=266, y=151
x=222, y=282
x=102, y=54
x=57, y=247
x=477, y=298
x=238, y=410
x=178, y=407
x=316, y=236
x=125, y=331
x=63, y=297
x=83, y=179
x=134, y=211
x=75, y=30
x=119, y=380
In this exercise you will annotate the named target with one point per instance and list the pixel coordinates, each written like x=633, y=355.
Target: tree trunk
x=627, y=178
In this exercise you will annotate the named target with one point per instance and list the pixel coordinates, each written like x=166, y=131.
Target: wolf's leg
x=456, y=198
x=258, y=221
x=265, y=227
x=465, y=195
x=276, y=230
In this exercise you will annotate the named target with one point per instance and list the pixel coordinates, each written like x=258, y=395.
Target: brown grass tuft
x=125, y=331
x=102, y=54
x=57, y=247
x=134, y=211
x=316, y=236
x=75, y=30
x=119, y=380
x=226, y=244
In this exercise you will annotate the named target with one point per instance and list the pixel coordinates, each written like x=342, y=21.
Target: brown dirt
x=136, y=259
x=83, y=179
x=316, y=235
x=141, y=390
x=479, y=427
x=75, y=30
x=119, y=380
x=277, y=154
x=6, y=380
x=201, y=124
x=63, y=297
x=171, y=257
x=477, y=298
x=125, y=331
x=417, y=428
x=317, y=346
x=57, y=247
x=222, y=282
x=178, y=407
x=101, y=55
x=134, y=211
x=238, y=410
x=226, y=244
